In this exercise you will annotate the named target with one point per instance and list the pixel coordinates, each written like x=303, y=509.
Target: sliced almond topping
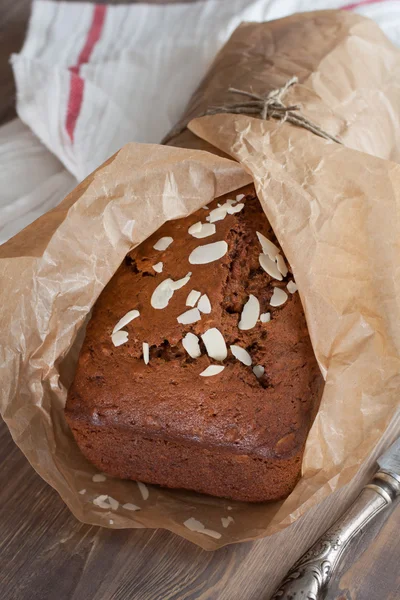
x=206, y=207
x=162, y=294
x=146, y=353
x=206, y=230
x=241, y=354
x=99, y=478
x=113, y=503
x=279, y=297
x=292, y=287
x=231, y=210
x=226, y=521
x=258, y=371
x=240, y=197
x=192, y=298
x=215, y=344
x=190, y=316
x=129, y=506
x=218, y=214
x=212, y=370
x=191, y=344
x=195, y=525
x=101, y=501
x=82, y=492
x=280, y=263
x=208, y=253
x=265, y=317
x=270, y=266
x=143, y=489
x=250, y=313
x=158, y=267
x=119, y=337
x=204, y=304
x=176, y=285
x=165, y=290
x=267, y=246
x=163, y=243
x=132, y=314
x=195, y=228
x=106, y=502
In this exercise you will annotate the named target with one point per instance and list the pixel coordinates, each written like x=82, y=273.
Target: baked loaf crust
x=232, y=434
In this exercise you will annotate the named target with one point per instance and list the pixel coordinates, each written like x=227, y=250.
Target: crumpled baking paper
x=335, y=211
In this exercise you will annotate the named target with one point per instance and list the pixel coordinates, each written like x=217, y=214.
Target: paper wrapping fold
x=335, y=212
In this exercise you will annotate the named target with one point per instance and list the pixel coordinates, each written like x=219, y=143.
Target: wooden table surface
x=46, y=554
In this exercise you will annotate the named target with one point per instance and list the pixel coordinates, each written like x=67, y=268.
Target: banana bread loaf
x=197, y=369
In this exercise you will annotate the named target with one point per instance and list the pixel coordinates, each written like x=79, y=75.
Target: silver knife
x=309, y=577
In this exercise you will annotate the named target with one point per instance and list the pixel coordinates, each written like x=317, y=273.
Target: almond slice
x=226, y=521
x=132, y=314
x=143, y=489
x=265, y=317
x=113, y=503
x=269, y=266
x=195, y=525
x=250, y=313
x=208, y=253
x=267, y=246
x=129, y=506
x=280, y=263
x=163, y=243
x=146, y=353
x=191, y=344
x=231, y=210
x=240, y=197
x=279, y=297
x=119, y=337
x=158, y=267
x=212, y=370
x=101, y=501
x=292, y=287
x=176, y=285
x=99, y=478
x=204, y=304
x=190, y=316
x=218, y=214
x=192, y=298
x=258, y=371
x=206, y=230
x=195, y=228
x=162, y=294
x=241, y=354
x=215, y=344
x=106, y=502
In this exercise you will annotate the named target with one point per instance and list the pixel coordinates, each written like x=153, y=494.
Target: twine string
x=267, y=107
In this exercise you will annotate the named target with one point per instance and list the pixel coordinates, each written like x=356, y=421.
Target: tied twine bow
x=267, y=107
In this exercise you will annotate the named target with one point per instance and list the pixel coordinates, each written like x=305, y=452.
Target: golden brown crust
x=229, y=435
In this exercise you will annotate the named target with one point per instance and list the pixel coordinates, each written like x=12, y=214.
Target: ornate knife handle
x=309, y=577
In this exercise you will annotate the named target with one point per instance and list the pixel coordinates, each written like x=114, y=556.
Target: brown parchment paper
x=335, y=211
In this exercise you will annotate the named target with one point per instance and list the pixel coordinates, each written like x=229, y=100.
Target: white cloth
x=92, y=77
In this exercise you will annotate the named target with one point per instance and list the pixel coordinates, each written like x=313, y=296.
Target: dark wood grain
x=46, y=554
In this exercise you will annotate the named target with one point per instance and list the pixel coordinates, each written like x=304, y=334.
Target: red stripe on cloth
x=360, y=3
x=77, y=84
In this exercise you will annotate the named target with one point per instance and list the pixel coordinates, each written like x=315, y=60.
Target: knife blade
x=390, y=460
x=310, y=576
